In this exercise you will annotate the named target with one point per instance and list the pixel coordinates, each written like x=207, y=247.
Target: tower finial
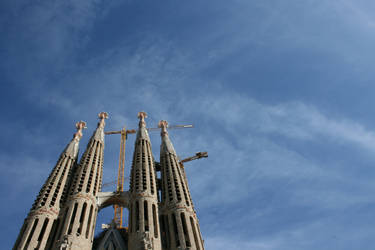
x=163, y=125
x=80, y=126
x=102, y=117
x=142, y=115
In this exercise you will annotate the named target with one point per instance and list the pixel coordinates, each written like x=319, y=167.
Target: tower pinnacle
x=102, y=116
x=163, y=125
x=72, y=148
x=99, y=132
x=142, y=115
x=142, y=131
x=166, y=144
x=80, y=126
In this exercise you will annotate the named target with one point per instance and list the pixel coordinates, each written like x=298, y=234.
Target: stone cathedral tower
x=177, y=212
x=64, y=213
x=144, y=221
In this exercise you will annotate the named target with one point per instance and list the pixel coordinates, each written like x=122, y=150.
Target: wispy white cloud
x=295, y=120
x=236, y=170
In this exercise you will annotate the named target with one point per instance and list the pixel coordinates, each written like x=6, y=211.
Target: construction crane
x=195, y=157
x=107, y=184
x=118, y=210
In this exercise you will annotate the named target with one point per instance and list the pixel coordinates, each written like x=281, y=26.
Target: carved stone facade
x=64, y=213
x=144, y=220
x=179, y=221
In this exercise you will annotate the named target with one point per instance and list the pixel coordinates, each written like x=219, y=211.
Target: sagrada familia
x=64, y=213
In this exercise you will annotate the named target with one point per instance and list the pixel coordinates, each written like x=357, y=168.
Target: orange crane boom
x=195, y=157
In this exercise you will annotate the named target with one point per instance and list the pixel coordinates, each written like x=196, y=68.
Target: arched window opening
x=93, y=225
x=136, y=216
x=82, y=218
x=175, y=230
x=42, y=231
x=145, y=212
x=184, y=228
x=41, y=234
x=62, y=224
x=130, y=219
x=31, y=234
x=89, y=222
x=52, y=236
x=163, y=232
x=168, y=231
x=155, y=220
x=72, y=218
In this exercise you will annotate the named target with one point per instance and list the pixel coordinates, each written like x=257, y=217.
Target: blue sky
x=280, y=93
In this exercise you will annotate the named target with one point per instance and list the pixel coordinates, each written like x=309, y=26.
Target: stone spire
x=41, y=224
x=178, y=219
x=143, y=215
x=142, y=133
x=80, y=211
x=166, y=144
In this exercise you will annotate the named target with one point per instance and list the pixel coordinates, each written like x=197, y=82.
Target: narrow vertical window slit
x=82, y=218
x=31, y=234
x=184, y=228
x=155, y=220
x=72, y=218
x=175, y=230
x=145, y=212
x=136, y=216
x=89, y=223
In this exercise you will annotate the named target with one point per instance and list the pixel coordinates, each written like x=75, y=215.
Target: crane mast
x=118, y=210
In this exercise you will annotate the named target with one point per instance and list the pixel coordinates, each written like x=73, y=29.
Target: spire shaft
x=79, y=214
x=177, y=210
x=143, y=215
x=41, y=221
